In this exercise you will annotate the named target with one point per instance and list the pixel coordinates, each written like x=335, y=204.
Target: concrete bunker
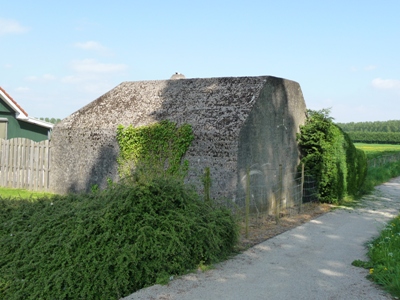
x=238, y=123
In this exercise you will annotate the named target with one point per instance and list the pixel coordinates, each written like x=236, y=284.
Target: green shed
x=15, y=122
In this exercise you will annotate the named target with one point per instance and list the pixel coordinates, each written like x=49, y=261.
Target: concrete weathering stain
x=238, y=123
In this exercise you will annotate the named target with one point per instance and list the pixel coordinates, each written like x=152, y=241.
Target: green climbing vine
x=154, y=150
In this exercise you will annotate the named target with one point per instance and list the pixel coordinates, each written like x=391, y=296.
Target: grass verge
x=379, y=175
x=376, y=150
x=21, y=193
x=384, y=251
x=384, y=258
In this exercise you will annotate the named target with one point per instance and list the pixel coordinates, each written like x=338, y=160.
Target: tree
x=51, y=120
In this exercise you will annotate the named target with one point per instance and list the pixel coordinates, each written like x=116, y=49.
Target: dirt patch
x=265, y=227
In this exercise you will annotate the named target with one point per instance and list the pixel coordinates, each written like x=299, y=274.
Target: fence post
x=247, y=202
x=280, y=193
x=301, y=188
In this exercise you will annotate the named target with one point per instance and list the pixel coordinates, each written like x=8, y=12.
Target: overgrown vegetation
x=330, y=156
x=108, y=244
x=155, y=150
x=384, y=251
x=382, y=173
x=381, y=132
x=384, y=258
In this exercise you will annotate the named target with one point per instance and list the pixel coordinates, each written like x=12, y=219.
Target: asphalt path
x=312, y=261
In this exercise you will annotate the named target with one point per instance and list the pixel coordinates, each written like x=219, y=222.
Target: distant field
x=20, y=193
x=374, y=150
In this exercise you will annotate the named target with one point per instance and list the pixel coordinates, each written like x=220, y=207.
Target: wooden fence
x=25, y=164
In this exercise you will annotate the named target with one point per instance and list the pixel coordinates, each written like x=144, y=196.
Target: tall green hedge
x=330, y=156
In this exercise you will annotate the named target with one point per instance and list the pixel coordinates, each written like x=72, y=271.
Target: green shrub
x=357, y=167
x=330, y=157
x=108, y=244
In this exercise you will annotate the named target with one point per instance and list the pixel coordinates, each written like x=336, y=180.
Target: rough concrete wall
x=215, y=107
x=226, y=115
x=268, y=140
x=81, y=158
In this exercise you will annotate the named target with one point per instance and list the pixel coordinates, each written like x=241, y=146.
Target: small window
x=3, y=128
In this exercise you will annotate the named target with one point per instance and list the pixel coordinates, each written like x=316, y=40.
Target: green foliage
x=384, y=258
x=377, y=126
x=382, y=172
x=154, y=150
x=51, y=120
x=207, y=184
x=94, y=188
x=330, y=157
x=108, y=244
x=379, y=175
x=375, y=137
x=384, y=132
x=357, y=167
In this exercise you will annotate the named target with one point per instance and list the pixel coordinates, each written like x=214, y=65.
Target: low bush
x=108, y=244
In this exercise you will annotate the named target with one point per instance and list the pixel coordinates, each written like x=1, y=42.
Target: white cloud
x=11, y=26
x=386, y=84
x=42, y=78
x=93, y=66
x=92, y=46
x=8, y=66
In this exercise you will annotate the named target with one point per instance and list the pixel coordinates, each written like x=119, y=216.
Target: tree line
x=51, y=120
x=376, y=126
x=379, y=132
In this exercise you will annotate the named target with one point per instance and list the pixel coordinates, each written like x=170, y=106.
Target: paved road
x=312, y=261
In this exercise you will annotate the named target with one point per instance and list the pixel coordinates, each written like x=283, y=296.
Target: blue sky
x=57, y=56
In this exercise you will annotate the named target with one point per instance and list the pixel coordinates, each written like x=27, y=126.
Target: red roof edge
x=15, y=102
